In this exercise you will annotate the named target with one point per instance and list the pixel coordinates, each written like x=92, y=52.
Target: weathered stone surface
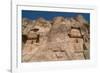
x=81, y=19
x=75, y=33
x=56, y=40
x=58, y=20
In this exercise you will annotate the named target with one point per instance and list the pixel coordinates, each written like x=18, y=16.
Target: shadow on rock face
x=24, y=38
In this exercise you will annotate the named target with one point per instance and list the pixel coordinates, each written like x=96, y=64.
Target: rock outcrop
x=56, y=40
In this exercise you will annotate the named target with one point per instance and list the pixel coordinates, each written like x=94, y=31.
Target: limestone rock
x=58, y=20
x=81, y=19
x=75, y=33
x=55, y=40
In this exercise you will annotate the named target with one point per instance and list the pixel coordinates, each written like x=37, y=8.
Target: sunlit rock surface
x=58, y=40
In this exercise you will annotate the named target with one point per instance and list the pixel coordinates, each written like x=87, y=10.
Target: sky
x=49, y=15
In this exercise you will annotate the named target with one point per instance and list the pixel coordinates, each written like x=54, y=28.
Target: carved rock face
x=63, y=39
x=75, y=33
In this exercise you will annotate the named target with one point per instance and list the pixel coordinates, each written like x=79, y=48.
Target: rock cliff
x=56, y=40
